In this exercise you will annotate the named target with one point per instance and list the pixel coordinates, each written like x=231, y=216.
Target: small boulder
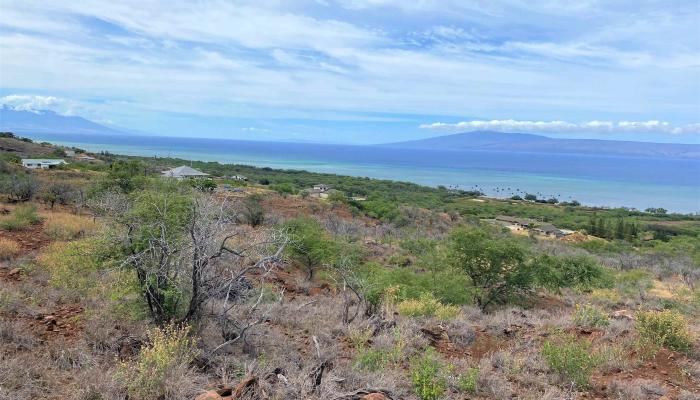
x=623, y=314
x=14, y=272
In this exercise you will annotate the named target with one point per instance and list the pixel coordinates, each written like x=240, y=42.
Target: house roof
x=513, y=220
x=184, y=170
x=43, y=161
x=548, y=228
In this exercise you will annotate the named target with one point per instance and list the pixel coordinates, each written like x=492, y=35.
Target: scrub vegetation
x=116, y=283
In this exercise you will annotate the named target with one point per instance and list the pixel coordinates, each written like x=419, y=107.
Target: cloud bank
x=511, y=125
x=146, y=64
x=30, y=103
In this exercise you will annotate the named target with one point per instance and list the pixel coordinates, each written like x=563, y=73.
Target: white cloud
x=30, y=103
x=511, y=125
x=272, y=58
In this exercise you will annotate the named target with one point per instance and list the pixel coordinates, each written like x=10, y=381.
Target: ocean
x=610, y=181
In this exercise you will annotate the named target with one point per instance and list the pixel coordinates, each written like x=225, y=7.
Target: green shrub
x=163, y=360
x=666, y=328
x=374, y=359
x=497, y=266
x=468, y=382
x=370, y=359
x=427, y=306
x=571, y=359
x=20, y=218
x=633, y=281
x=579, y=272
x=590, y=316
x=427, y=376
x=310, y=244
x=446, y=285
x=284, y=188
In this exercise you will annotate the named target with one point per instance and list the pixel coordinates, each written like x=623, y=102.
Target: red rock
x=623, y=314
x=209, y=395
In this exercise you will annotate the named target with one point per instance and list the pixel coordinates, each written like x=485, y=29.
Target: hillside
x=119, y=284
x=46, y=121
x=523, y=142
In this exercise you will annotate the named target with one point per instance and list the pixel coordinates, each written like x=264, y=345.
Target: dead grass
x=637, y=389
x=63, y=226
x=9, y=249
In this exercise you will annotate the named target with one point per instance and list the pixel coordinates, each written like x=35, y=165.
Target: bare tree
x=193, y=261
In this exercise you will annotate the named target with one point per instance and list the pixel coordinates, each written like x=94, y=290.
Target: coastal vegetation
x=119, y=283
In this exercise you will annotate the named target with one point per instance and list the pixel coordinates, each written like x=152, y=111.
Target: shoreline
x=496, y=182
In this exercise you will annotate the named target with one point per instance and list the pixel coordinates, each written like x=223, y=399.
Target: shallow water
x=612, y=181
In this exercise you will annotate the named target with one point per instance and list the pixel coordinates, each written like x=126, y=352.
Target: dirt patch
x=31, y=238
x=577, y=237
x=64, y=322
x=294, y=283
x=483, y=345
x=295, y=206
x=664, y=369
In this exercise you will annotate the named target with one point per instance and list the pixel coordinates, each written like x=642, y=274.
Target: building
x=319, y=191
x=238, y=178
x=184, y=172
x=549, y=230
x=85, y=158
x=69, y=153
x=517, y=223
x=38, y=163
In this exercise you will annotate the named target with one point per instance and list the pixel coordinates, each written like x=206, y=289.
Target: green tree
x=61, y=193
x=20, y=187
x=556, y=272
x=203, y=184
x=620, y=229
x=156, y=227
x=337, y=197
x=252, y=211
x=309, y=244
x=497, y=267
x=125, y=176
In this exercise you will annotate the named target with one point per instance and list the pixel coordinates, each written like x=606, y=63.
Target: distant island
x=49, y=122
x=530, y=143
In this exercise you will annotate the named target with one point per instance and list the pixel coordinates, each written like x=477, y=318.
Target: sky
x=359, y=71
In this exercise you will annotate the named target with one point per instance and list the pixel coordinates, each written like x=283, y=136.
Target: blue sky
x=359, y=71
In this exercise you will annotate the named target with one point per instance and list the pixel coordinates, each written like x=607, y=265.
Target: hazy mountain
x=45, y=121
x=529, y=143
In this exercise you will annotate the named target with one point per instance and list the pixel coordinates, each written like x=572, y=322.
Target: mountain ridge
x=533, y=143
x=47, y=121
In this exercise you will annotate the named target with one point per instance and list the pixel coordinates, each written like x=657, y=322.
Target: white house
x=34, y=163
x=321, y=188
x=184, y=172
x=85, y=157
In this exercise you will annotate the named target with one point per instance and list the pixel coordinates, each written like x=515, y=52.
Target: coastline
x=490, y=174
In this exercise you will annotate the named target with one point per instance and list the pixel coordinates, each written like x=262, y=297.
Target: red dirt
x=294, y=206
x=31, y=238
x=664, y=369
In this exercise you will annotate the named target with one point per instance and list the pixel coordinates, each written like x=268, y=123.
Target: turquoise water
x=593, y=180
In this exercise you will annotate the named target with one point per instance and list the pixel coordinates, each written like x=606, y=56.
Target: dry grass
x=9, y=249
x=63, y=226
x=638, y=389
x=20, y=218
